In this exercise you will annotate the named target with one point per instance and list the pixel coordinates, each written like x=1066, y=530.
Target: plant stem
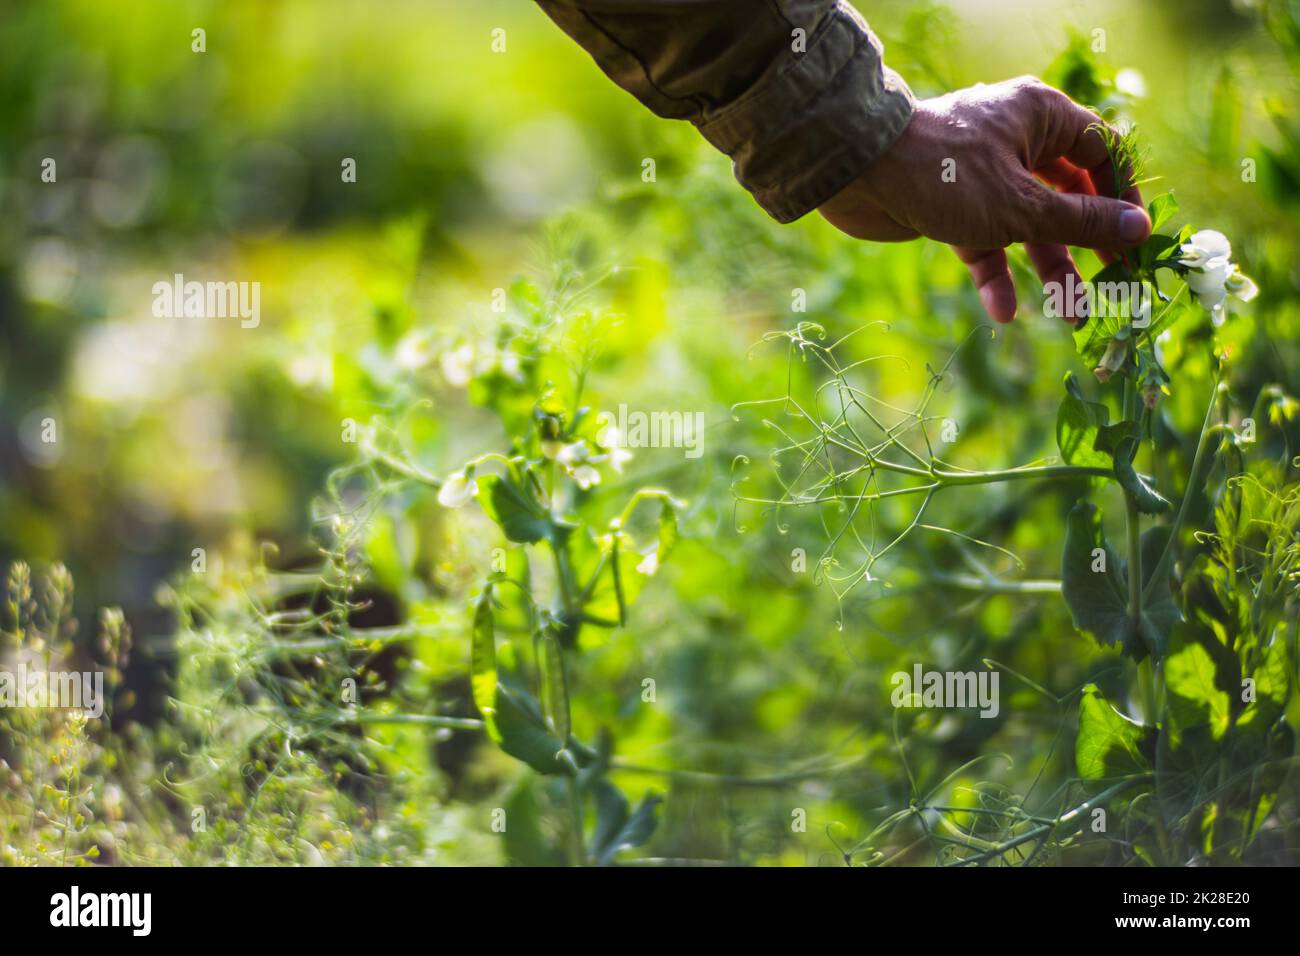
x=1045, y=829
x=1199, y=462
x=976, y=477
x=577, y=854
x=582, y=750
x=1014, y=474
x=970, y=582
x=942, y=479
x=1147, y=690
x=1134, y=526
x=425, y=720
x=733, y=780
x=73, y=787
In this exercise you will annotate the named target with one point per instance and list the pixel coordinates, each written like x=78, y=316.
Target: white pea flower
x=1241, y=285
x=457, y=490
x=412, y=351
x=1209, y=285
x=649, y=563
x=1213, y=276
x=612, y=441
x=312, y=370
x=1114, y=359
x=1205, y=245
x=618, y=457
x=509, y=363
x=572, y=454
x=586, y=476
x=576, y=461
x=458, y=366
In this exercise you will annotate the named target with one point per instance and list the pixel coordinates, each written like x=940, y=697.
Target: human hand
x=976, y=169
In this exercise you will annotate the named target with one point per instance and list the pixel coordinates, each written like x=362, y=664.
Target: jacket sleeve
x=794, y=91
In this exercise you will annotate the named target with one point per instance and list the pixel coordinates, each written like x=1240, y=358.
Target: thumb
x=1077, y=219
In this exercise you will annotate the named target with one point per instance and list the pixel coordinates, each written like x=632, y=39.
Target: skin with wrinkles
x=1027, y=169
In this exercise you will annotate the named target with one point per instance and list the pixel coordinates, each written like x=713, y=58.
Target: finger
x=1072, y=133
x=1062, y=282
x=1066, y=176
x=1077, y=219
x=992, y=275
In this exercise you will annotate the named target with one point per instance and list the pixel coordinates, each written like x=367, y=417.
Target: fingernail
x=1133, y=225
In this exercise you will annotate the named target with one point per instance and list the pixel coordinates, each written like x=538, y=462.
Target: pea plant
x=565, y=570
x=1209, y=755
x=301, y=725
x=1206, y=616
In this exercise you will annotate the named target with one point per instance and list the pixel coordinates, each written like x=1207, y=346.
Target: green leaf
x=612, y=811
x=1225, y=759
x=1157, y=246
x=1072, y=386
x=1094, y=583
x=1077, y=425
x=514, y=605
x=1272, y=677
x=522, y=517
x=1109, y=744
x=1109, y=437
x=1111, y=308
x=1148, y=500
x=1160, y=612
x=1091, y=580
x=633, y=833
x=626, y=566
x=1161, y=209
x=667, y=531
x=1091, y=338
x=483, y=657
x=1273, y=768
x=1194, y=683
x=522, y=732
x=607, y=568
x=1077, y=72
x=525, y=839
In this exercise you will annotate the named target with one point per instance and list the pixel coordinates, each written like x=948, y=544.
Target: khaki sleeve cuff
x=815, y=120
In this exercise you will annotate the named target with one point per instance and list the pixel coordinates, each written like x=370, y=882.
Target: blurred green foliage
x=770, y=736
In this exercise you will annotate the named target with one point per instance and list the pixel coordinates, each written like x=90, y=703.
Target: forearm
x=794, y=91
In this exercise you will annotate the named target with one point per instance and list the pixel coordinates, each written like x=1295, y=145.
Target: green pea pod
x=483, y=659
x=555, y=687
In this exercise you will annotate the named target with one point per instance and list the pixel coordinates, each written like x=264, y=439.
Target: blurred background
x=479, y=170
